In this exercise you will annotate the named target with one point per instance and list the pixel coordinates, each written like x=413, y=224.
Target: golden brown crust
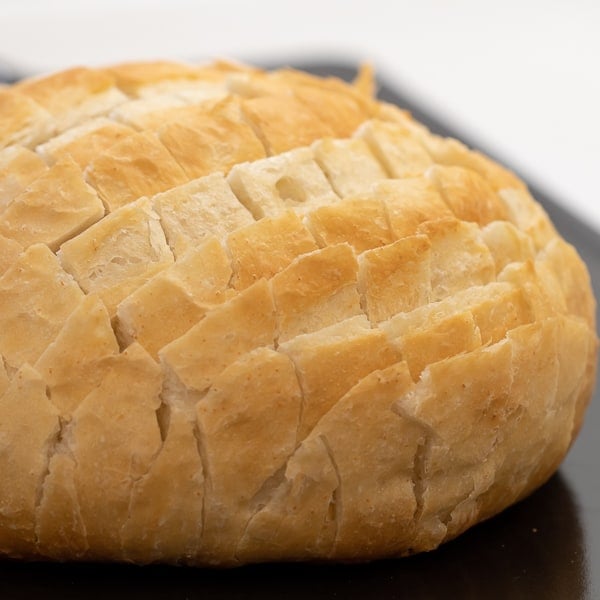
x=30, y=316
x=30, y=422
x=265, y=247
x=138, y=165
x=316, y=290
x=459, y=186
x=330, y=361
x=292, y=322
x=84, y=142
x=396, y=277
x=237, y=413
x=102, y=425
x=22, y=120
x=132, y=77
x=361, y=223
x=174, y=300
x=18, y=168
x=213, y=141
x=409, y=202
x=284, y=123
x=54, y=208
x=71, y=377
x=74, y=95
x=9, y=251
x=249, y=320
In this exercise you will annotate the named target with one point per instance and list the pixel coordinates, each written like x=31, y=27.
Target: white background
x=523, y=77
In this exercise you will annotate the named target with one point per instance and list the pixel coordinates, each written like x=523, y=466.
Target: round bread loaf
x=259, y=316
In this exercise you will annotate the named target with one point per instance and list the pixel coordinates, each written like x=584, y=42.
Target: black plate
x=547, y=547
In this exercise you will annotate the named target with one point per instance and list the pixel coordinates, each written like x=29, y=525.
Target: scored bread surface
x=257, y=316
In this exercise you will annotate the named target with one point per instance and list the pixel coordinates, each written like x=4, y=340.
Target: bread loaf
x=260, y=316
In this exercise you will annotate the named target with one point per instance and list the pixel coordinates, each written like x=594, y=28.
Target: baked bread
x=259, y=316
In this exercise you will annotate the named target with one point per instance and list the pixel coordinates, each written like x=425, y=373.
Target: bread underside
x=251, y=316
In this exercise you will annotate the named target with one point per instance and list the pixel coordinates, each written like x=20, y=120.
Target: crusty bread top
x=292, y=321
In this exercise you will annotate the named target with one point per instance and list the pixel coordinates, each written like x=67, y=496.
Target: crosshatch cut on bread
x=261, y=316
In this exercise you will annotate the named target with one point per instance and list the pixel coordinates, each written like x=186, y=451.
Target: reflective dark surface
x=547, y=547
